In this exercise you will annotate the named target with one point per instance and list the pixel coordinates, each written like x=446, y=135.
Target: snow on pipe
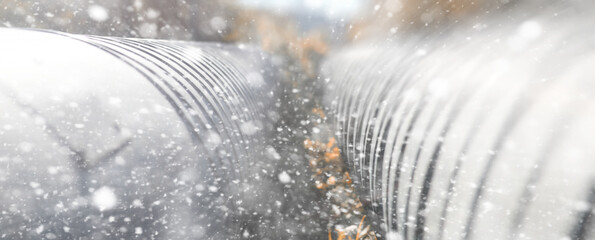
x=127, y=136
x=485, y=139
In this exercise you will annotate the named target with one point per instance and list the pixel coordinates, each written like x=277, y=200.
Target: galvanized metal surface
x=131, y=137
x=478, y=132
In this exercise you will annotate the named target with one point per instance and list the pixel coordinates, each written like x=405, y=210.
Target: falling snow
x=98, y=13
x=297, y=119
x=104, y=198
x=284, y=177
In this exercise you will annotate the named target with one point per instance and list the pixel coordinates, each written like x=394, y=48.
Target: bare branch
x=48, y=127
x=104, y=158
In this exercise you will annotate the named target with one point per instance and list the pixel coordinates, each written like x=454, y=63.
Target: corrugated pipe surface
x=136, y=138
x=486, y=139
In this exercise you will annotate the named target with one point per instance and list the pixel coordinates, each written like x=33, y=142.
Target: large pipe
x=118, y=138
x=484, y=131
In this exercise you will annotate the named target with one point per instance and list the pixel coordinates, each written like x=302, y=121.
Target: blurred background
x=202, y=20
x=177, y=19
